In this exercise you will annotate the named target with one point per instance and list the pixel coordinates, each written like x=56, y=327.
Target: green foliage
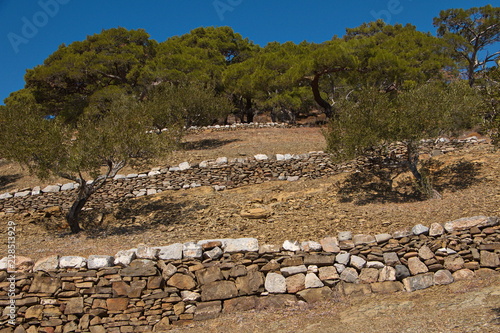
x=200, y=56
x=176, y=107
x=370, y=118
x=469, y=31
x=31, y=140
x=68, y=77
x=491, y=96
x=96, y=147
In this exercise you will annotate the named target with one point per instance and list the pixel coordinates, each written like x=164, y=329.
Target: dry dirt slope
x=303, y=210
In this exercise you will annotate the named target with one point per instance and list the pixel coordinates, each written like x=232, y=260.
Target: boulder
x=295, y=283
x=436, y=229
x=443, y=276
x=349, y=275
x=181, y=281
x=330, y=244
x=291, y=246
x=363, y=239
x=124, y=257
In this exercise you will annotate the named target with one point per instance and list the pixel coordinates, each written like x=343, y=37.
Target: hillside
x=468, y=179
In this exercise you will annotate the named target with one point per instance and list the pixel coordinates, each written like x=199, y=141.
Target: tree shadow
x=5, y=180
x=496, y=311
x=365, y=187
x=138, y=215
x=377, y=184
x=206, y=144
x=456, y=177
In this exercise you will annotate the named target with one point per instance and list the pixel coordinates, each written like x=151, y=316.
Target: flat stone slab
x=417, y=282
x=140, y=267
x=287, y=271
x=72, y=262
x=469, y=222
x=99, y=261
x=47, y=264
x=361, y=239
x=192, y=250
x=51, y=189
x=171, y=252
x=242, y=245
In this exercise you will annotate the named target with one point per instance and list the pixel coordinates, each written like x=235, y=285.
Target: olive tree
x=372, y=119
x=89, y=153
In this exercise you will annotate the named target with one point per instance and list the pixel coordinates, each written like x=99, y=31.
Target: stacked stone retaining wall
x=155, y=288
x=222, y=173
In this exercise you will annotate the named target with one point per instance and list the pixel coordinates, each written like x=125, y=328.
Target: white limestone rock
x=312, y=281
x=192, y=250
x=275, y=283
x=124, y=257
x=171, y=252
x=72, y=262
x=99, y=261
x=291, y=246
x=292, y=270
x=51, y=189
x=241, y=245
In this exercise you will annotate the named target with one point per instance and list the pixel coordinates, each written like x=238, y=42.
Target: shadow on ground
x=207, y=144
x=378, y=185
x=137, y=216
x=5, y=180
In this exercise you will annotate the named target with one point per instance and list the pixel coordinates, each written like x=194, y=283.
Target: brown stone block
x=181, y=281
x=218, y=290
x=354, y=289
x=387, y=287
x=207, y=310
x=240, y=304
x=117, y=304
x=316, y=294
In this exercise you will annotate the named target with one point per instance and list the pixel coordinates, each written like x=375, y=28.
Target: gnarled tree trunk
x=317, y=96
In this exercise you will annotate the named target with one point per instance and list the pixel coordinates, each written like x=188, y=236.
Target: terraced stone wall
x=155, y=288
x=222, y=173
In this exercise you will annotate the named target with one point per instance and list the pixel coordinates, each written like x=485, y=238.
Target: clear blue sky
x=30, y=30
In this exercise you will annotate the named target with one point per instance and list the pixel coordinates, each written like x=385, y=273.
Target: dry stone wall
x=155, y=288
x=221, y=173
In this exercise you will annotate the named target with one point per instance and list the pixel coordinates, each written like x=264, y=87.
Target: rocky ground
x=469, y=181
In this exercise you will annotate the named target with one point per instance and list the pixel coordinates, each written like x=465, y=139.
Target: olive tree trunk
x=85, y=191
